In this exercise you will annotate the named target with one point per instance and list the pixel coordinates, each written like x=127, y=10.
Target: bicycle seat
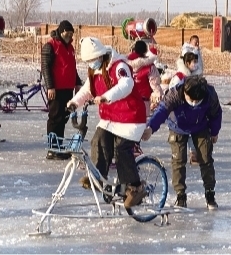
x=20, y=86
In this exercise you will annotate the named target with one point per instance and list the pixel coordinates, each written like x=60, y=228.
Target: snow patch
x=20, y=182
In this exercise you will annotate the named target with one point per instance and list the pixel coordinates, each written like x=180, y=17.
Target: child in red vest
x=146, y=75
x=122, y=117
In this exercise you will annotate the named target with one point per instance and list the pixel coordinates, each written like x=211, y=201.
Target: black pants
x=58, y=116
x=204, y=148
x=104, y=145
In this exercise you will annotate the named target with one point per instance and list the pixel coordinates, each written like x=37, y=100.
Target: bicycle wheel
x=154, y=174
x=8, y=102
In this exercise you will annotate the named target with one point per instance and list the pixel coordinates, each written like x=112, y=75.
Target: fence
x=27, y=51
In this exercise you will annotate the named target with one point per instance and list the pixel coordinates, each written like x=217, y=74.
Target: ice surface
x=28, y=181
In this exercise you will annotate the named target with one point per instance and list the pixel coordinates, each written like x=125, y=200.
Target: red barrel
x=141, y=29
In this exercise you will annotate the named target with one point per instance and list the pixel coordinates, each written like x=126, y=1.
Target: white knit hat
x=91, y=48
x=188, y=48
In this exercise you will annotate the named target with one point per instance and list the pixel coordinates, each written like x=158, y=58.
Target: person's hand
x=156, y=96
x=99, y=100
x=153, y=106
x=147, y=134
x=70, y=103
x=214, y=138
x=51, y=94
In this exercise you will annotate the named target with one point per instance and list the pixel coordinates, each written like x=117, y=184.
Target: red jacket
x=142, y=81
x=130, y=109
x=64, y=68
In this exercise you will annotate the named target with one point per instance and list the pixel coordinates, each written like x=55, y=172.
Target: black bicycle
x=10, y=100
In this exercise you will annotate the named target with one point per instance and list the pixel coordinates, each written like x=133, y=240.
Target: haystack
x=192, y=20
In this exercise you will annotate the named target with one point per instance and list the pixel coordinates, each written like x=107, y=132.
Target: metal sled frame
x=113, y=197
x=94, y=177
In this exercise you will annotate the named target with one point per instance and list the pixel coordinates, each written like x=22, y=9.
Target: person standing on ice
x=190, y=108
x=187, y=64
x=58, y=65
x=122, y=115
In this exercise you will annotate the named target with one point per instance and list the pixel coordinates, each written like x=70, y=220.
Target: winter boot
x=85, y=182
x=210, y=199
x=134, y=195
x=181, y=199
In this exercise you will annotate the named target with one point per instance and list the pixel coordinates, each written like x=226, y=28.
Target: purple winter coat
x=185, y=119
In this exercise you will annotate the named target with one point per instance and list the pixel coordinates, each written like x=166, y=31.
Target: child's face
x=194, y=42
x=192, y=66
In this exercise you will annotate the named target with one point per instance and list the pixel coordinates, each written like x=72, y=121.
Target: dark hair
x=195, y=87
x=189, y=57
x=194, y=37
x=141, y=48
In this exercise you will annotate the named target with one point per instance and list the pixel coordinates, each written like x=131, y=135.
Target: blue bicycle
x=9, y=100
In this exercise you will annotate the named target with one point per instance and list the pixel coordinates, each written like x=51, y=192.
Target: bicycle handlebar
x=74, y=116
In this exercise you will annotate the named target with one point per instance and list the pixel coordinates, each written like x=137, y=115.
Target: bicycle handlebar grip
x=72, y=108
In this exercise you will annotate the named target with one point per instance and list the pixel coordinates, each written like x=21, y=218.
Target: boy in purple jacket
x=190, y=108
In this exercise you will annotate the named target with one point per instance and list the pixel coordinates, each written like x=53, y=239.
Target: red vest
x=142, y=81
x=130, y=109
x=64, y=67
x=180, y=75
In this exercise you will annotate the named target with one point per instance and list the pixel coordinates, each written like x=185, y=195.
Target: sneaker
x=134, y=195
x=181, y=200
x=57, y=156
x=210, y=199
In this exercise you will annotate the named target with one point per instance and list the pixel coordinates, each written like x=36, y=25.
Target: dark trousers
x=204, y=148
x=58, y=116
x=104, y=146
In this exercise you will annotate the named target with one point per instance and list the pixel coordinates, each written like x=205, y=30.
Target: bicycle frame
x=29, y=94
x=24, y=95
x=79, y=154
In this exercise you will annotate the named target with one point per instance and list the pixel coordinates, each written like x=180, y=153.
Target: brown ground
x=214, y=62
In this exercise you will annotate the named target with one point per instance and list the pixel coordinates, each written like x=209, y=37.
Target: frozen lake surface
x=28, y=180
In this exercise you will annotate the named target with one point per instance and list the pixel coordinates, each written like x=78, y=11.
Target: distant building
x=33, y=28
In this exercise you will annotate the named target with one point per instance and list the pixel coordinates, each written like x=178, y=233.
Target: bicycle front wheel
x=8, y=102
x=153, y=173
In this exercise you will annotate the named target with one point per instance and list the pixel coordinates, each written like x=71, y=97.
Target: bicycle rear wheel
x=8, y=102
x=154, y=174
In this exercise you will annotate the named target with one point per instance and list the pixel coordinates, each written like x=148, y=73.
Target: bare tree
x=9, y=13
x=23, y=8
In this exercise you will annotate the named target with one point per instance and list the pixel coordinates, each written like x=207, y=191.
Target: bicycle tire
x=8, y=102
x=149, y=166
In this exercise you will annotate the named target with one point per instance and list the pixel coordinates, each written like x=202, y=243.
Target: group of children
x=130, y=86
